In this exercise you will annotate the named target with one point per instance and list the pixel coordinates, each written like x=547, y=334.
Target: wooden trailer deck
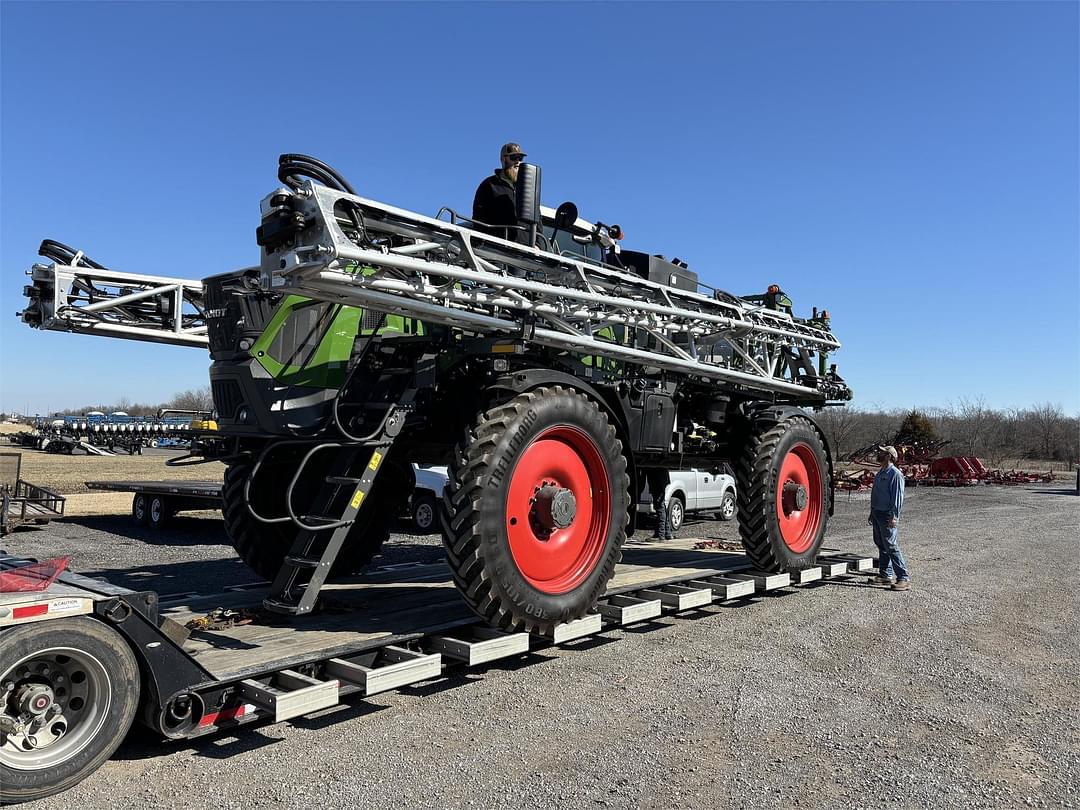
x=409, y=603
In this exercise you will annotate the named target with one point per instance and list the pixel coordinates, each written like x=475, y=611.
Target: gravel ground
x=961, y=693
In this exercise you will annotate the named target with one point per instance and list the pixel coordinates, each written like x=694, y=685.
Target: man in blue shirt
x=886, y=503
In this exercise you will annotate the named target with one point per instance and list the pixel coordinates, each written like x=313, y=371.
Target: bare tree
x=1046, y=428
x=196, y=399
x=840, y=426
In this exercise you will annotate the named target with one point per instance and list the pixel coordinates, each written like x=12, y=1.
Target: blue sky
x=912, y=167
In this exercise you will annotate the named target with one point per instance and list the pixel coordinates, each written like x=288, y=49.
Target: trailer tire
x=525, y=561
x=784, y=492
x=140, y=509
x=263, y=546
x=101, y=673
x=159, y=512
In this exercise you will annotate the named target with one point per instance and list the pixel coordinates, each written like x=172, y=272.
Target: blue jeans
x=891, y=560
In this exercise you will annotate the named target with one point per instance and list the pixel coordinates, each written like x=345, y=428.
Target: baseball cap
x=511, y=149
x=888, y=448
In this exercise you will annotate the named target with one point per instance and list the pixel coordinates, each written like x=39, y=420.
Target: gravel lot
x=961, y=693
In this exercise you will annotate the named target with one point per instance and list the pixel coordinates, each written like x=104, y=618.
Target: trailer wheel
x=159, y=512
x=140, y=509
x=69, y=689
x=263, y=546
x=537, y=504
x=783, y=495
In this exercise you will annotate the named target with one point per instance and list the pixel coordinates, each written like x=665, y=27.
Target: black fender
x=763, y=413
x=524, y=380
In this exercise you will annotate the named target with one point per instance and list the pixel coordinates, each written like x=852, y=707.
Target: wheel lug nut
x=43, y=669
x=59, y=677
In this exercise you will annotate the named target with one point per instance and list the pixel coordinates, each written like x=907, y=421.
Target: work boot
x=902, y=585
x=880, y=580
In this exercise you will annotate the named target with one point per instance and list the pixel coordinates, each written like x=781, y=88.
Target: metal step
x=290, y=694
x=301, y=562
x=485, y=645
x=680, y=597
x=629, y=609
x=392, y=667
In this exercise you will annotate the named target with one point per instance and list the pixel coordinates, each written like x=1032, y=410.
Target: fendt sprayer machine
x=548, y=370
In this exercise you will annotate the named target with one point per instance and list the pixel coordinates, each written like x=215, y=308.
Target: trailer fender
x=168, y=672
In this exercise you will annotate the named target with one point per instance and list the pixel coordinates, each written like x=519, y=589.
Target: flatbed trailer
x=84, y=658
x=156, y=502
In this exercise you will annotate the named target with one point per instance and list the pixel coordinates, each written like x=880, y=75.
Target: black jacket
x=495, y=205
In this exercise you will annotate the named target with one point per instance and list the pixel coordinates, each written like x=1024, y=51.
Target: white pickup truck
x=690, y=492
x=694, y=491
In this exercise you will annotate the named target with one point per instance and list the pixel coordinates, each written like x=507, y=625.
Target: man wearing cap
x=886, y=503
x=494, y=206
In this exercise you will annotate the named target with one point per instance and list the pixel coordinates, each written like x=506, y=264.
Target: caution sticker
x=376, y=457
x=358, y=498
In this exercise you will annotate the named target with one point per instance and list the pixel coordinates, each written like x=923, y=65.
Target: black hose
x=63, y=254
x=291, y=167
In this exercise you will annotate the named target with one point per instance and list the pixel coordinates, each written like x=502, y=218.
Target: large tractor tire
x=784, y=492
x=263, y=546
x=536, y=510
x=69, y=689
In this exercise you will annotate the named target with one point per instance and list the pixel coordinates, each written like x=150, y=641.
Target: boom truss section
x=89, y=300
x=349, y=250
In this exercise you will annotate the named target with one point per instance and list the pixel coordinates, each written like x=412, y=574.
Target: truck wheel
x=537, y=504
x=159, y=512
x=784, y=495
x=727, y=506
x=676, y=514
x=263, y=546
x=69, y=689
x=423, y=512
x=140, y=509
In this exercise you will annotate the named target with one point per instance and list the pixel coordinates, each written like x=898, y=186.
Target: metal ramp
x=22, y=502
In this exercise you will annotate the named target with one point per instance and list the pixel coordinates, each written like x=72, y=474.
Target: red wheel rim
x=799, y=527
x=558, y=560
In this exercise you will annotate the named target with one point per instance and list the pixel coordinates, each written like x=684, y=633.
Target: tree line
x=1042, y=433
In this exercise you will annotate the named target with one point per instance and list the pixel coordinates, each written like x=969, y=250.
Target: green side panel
x=299, y=347
x=290, y=348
